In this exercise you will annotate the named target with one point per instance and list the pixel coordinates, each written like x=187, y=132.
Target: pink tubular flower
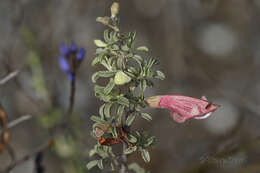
x=183, y=107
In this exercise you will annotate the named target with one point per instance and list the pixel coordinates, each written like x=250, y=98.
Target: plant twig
x=72, y=100
x=28, y=156
x=16, y=122
x=46, y=145
x=9, y=77
x=123, y=166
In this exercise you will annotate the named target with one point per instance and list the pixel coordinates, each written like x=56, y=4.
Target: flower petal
x=63, y=63
x=178, y=117
x=73, y=47
x=203, y=116
x=64, y=50
x=81, y=54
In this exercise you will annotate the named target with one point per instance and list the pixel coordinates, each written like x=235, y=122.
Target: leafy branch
x=127, y=74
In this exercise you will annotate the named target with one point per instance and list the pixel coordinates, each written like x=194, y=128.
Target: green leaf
x=145, y=155
x=123, y=101
x=100, y=43
x=125, y=48
x=120, y=62
x=99, y=89
x=160, y=75
x=132, y=138
x=129, y=150
x=130, y=119
x=146, y=116
x=100, y=164
x=143, y=48
x=92, y=164
x=106, y=35
x=92, y=152
x=114, y=132
x=99, y=74
x=101, y=111
x=143, y=85
x=109, y=87
x=96, y=119
x=135, y=167
x=96, y=60
x=132, y=38
x=112, y=167
x=121, y=78
x=149, y=141
x=120, y=112
x=103, y=20
x=107, y=109
x=139, y=60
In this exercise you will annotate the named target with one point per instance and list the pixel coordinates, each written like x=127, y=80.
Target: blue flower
x=70, y=59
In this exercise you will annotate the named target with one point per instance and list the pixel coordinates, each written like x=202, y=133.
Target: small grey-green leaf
x=120, y=112
x=120, y=62
x=125, y=48
x=132, y=138
x=143, y=85
x=91, y=164
x=92, y=152
x=107, y=109
x=149, y=141
x=138, y=59
x=123, y=101
x=146, y=116
x=97, y=119
x=159, y=75
x=130, y=119
x=145, y=155
x=96, y=61
x=112, y=167
x=100, y=164
x=135, y=167
x=101, y=111
x=143, y=48
x=99, y=74
x=106, y=36
x=114, y=132
x=129, y=150
x=109, y=87
x=100, y=43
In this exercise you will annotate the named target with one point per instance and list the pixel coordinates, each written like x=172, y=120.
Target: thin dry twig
x=46, y=145
x=16, y=122
x=9, y=77
x=28, y=156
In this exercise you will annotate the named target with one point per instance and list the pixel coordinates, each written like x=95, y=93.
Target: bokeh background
x=206, y=47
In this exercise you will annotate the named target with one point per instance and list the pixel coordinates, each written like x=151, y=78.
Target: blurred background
x=206, y=47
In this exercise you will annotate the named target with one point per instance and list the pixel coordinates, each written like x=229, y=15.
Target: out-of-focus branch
x=49, y=142
x=9, y=77
x=123, y=166
x=16, y=122
x=72, y=100
x=28, y=156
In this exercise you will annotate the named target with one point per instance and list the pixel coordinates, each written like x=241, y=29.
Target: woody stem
x=123, y=167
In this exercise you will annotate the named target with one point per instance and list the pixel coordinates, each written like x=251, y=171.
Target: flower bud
x=114, y=9
x=121, y=78
x=103, y=20
x=153, y=101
